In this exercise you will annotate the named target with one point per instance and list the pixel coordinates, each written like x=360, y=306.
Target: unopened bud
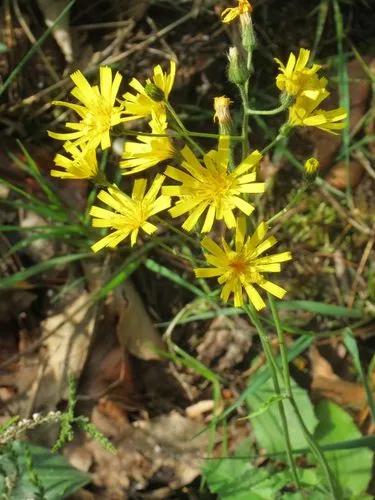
x=154, y=92
x=221, y=107
x=237, y=71
x=247, y=32
x=311, y=169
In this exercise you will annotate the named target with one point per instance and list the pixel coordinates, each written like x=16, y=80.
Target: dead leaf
x=69, y=335
x=135, y=331
x=166, y=449
x=326, y=384
x=51, y=10
x=338, y=177
x=42, y=249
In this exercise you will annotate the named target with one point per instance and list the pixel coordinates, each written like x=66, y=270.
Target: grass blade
x=351, y=345
x=41, y=267
x=174, y=277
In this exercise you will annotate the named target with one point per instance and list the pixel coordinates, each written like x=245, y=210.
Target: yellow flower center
x=99, y=115
x=217, y=189
x=238, y=265
x=242, y=268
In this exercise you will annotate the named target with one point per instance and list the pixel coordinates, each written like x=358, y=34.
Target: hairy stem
x=183, y=130
x=315, y=448
x=273, y=369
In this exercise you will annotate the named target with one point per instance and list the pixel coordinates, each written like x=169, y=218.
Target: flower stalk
x=250, y=311
x=314, y=446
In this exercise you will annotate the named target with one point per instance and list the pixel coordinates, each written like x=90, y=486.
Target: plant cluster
x=211, y=191
x=204, y=188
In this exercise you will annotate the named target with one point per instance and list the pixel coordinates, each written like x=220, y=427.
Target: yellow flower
x=98, y=113
x=297, y=79
x=221, y=107
x=141, y=104
x=229, y=14
x=311, y=167
x=131, y=213
x=149, y=150
x=303, y=113
x=212, y=187
x=241, y=268
x=83, y=164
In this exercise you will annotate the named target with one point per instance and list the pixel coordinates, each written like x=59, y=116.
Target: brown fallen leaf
x=338, y=176
x=166, y=449
x=135, y=331
x=325, y=383
x=69, y=334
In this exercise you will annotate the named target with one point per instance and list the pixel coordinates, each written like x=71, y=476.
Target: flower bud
x=311, y=169
x=237, y=71
x=221, y=107
x=154, y=92
x=247, y=32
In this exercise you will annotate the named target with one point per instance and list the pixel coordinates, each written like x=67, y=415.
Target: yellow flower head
x=149, y=151
x=83, y=164
x=231, y=13
x=141, y=104
x=98, y=113
x=241, y=268
x=212, y=187
x=311, y=166
x=297, y=79
x=221, y=107
x=303, y=113
x=130, y=213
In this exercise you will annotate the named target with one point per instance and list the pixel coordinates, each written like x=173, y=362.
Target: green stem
x=274, y=111
x=296, y=198
x=183, y=130
x=188, y=132
x=214, y=136
x=283, y=133
x=245, y=121
x=177, y=231
x=273, y=369
x=315, y=448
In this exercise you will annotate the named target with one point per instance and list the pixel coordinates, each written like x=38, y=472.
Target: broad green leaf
x=57, y=477
x=264, y=407
x=256, y=384
x=236, y=479
x=267, y=427
x=352, y=468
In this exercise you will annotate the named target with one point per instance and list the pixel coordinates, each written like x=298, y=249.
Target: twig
x=361, y=266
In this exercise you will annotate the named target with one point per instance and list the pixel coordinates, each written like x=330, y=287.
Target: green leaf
x=41, y=267
x=351, y=344
x=267, y=427
x=256, y=384
x=264, y=407
x=352, y=468
x=57, y=477
x=237, y=479
x=319, y=308
x=174, y=277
